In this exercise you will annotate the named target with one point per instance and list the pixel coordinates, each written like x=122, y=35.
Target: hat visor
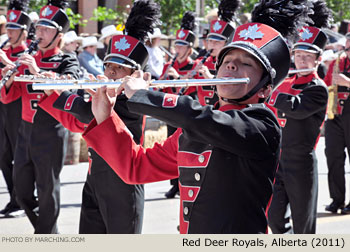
x=120, y=61
x=14, y=26
x=46, y=23
x=306, y=48
x=216, y=37
x=181, y=43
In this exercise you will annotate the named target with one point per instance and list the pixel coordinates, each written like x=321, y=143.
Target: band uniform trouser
x=337, y=138
x=39, y=159
x=11, y=119
x=101, y=204
x=295, y=189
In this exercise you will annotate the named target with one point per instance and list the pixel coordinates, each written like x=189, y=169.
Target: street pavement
x=161, y=215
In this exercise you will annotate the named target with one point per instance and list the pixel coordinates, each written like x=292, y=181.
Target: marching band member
x=41, y=142
x=337, y=130
x=226, y=155
x=182, y=64
x=18, y=24
x=220, y=31
x=301, y=103
x=109, y=205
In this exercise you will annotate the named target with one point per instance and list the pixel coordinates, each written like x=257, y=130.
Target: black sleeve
x=311, y=100
x=79, y=108
x=69, y=65
x=252, y=133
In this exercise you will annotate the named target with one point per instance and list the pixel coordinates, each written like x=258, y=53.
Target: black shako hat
x=129, y=50
x=53, y=15
x=312, y=38
x=222, y=28
x=17, y=18
x=185, y=35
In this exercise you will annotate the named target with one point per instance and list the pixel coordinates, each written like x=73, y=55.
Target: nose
x=231, y=65
x=112, y=72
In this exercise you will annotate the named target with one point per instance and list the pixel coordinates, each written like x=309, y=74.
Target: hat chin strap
x=252, y=92
x=19, y=36
x=57, y=32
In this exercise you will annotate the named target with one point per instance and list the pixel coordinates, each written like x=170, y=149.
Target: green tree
x=340, y=8
x=173, y=10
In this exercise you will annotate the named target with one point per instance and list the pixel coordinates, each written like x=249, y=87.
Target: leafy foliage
x=173, y=10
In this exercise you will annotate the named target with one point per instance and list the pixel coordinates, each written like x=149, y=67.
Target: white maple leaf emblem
x=251, y=33
x=306, y=34
x=122, y=45
x=182, y=34
x=217, y=26
x=46, y=12
x=12, y=16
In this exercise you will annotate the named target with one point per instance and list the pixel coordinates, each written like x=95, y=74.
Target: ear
x=265, y=92
x=319, y=59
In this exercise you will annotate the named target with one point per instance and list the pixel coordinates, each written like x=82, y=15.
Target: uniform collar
x=50, y=52
x=230, y=107
x=183, y=64
x=17, y=49
x=306, y=79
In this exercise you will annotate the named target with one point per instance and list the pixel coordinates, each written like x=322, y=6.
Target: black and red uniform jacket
x=15, y=107
x=52, y=60
x=182, y=69
x=343, y=92
x=75, y=114
x=301, y=104
x=225, y=158
x=206, y=94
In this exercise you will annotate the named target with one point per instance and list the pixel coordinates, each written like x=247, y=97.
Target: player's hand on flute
x=131, y=84
x=103, y=101
x=4, y=72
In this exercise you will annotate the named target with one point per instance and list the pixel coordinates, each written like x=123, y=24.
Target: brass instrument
x=49, y=84
x=332, y=108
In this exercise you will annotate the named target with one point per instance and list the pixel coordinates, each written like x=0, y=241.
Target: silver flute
x=49, y=84
x=294, y=71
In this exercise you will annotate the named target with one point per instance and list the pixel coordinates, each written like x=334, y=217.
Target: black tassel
x=21, y=5
x=62, y=4
x=144, y=16
x=188, y=21
x=285, y=16
x=227, y=9
x=322, y=16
